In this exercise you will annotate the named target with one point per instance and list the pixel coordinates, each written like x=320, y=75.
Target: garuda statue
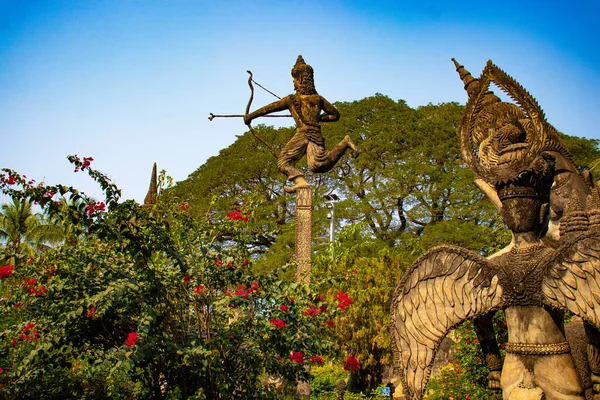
x=519, y=159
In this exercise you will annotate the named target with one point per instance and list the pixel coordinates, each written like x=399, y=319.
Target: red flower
x=184, y=206
x=219, y=262
x=199, y=289
x=354, y=271
x=297, y=357
x=313, y=312
x=31, y=281
x=85, y=164
x=131, y=339
x=316, y=360
x=11, y=180
x=323, y=307
x=6, y=271
x=13, y=341
x=254, y=287
x=344, y=300
x=93, y=207
x=186, y=279
x=18, y=304
x=241, y=291
x=279, y=324
x=329, y=323
x=284, y=308
x=237, y=216
x=319, y=298
x=1, y=370
x=28, y=327
x=91, y=312
x=351, y=364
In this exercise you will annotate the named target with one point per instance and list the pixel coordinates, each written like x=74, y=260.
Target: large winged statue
x=510, y=149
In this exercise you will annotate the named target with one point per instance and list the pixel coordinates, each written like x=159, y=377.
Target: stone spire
x=152, y=196
x=471, y=84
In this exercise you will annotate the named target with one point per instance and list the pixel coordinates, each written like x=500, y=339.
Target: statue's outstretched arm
x=442, y=288
x=278, y=105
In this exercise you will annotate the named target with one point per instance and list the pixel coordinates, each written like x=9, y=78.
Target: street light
x=330, y=202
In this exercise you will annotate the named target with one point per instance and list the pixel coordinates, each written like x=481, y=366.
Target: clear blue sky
x=133, y=82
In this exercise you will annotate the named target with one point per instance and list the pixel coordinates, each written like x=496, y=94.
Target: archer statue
x=305, y=107
x=510, y=149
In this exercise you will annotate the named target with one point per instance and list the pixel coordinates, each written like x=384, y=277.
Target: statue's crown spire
x=301, y=67
x=471, y=84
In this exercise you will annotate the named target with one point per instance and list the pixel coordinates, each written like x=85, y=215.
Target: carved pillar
x=303, y=255
x=303, y=233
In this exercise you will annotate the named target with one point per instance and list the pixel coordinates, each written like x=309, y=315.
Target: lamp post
x=330, y=202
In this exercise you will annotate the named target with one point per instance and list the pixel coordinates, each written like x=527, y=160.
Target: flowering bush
x=151, y=304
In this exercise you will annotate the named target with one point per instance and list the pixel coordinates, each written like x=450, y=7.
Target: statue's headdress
x=304, y=73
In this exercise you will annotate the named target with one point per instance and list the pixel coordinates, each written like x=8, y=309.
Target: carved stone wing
x=572, y=277
x=441, y=289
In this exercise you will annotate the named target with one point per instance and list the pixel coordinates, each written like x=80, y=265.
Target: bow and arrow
x=250, y=81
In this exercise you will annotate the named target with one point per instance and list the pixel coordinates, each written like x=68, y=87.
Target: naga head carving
x=500, y=140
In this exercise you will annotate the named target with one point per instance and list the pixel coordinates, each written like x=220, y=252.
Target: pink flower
x=351, y=364
x=344, y=300
x=93, y=207
x=316, y=360
x=237, y=216
x=297, y=357
x=284, y=308
x=313, y=312
x=279, y=324
x=131, y=339
x=6, y=271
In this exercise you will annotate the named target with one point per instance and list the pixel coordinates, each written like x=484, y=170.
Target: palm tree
x=23, y=232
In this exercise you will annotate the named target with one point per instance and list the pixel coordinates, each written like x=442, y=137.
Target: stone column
x=303, y=255
x=303, y=233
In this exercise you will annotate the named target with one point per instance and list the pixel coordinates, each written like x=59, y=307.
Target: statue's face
x=296, y=83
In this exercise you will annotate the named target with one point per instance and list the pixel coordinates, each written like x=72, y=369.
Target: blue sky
x=133, y=82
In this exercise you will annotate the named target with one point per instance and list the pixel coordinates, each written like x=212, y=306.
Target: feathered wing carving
x=572, y=277
x=441, y=289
